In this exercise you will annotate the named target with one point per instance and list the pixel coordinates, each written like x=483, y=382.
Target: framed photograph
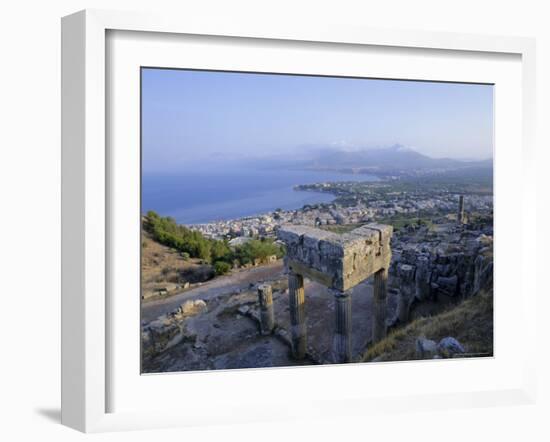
x=255, y=216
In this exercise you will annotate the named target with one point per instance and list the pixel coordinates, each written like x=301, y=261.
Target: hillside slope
x=164, y=270
x=470, y=322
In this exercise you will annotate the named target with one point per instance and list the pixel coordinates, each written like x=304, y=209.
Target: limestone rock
x=243, y=310
x=192, y=307
x=406, y=275
x=448, y=284
x=425, y=348
x=337, y=261
x=449, y=346
x=169, y=329
x=422, y=278
x=451, y=268
x=483, y=272
x=161, y=334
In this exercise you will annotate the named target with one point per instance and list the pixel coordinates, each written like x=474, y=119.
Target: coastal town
x=358, y=203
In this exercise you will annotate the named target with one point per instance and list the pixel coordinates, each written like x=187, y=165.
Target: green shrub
x=221, y=267
x=166, y=231
x=192, y=244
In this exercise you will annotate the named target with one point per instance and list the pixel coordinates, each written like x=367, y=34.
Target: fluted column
x=267, y=317
x=379, y=308
x=341, y=344
x=297, y=315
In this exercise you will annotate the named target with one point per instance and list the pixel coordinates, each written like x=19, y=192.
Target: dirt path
x=219, y=286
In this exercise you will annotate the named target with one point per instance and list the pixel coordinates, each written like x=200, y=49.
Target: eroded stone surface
x=449, y=346
x=337, y=261
x=170, y=329
x=425, y=348
x=406, y=275
x=455, y=265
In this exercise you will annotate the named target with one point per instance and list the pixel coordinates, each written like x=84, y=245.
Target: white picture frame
x=86, y=204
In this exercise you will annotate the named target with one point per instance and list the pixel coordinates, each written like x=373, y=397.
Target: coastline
x=235, y=194
x=332, y=197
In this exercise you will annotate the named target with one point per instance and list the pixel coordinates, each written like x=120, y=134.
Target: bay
x=196, y=197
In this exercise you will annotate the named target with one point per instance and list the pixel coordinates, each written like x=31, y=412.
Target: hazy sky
x=197, y=115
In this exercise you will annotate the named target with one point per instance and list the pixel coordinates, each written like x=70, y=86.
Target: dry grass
x=471, y=322
x=162, y=265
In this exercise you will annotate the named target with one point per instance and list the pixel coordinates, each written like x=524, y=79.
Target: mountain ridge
x=396, y=157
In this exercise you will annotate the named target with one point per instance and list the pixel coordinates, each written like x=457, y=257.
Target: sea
x=197, y=197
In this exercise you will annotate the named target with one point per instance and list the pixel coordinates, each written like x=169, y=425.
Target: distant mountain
x=395, y=158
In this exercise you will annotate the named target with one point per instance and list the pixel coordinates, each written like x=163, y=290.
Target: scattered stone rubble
x=168, y=330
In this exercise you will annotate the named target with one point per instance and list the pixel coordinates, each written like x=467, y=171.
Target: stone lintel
x=337, y=261
x=302, y=269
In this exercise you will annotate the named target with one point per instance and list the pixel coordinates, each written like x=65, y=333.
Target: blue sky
x=192, y=116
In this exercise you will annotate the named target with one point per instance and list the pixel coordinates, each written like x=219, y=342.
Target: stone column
x=379, y=307
x=297, y=315
x=341, y=344
x=460, y=215
x=267, y=318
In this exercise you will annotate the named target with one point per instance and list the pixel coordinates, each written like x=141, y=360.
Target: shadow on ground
x=51, y=414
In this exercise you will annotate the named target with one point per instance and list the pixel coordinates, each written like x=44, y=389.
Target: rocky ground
x=225, y=334
x=436, y=275
x=235, y=282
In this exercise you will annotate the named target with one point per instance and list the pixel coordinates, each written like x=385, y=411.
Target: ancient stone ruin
x=267, y=316
x=339, y=262
x=460, y=215
x=458, y=268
